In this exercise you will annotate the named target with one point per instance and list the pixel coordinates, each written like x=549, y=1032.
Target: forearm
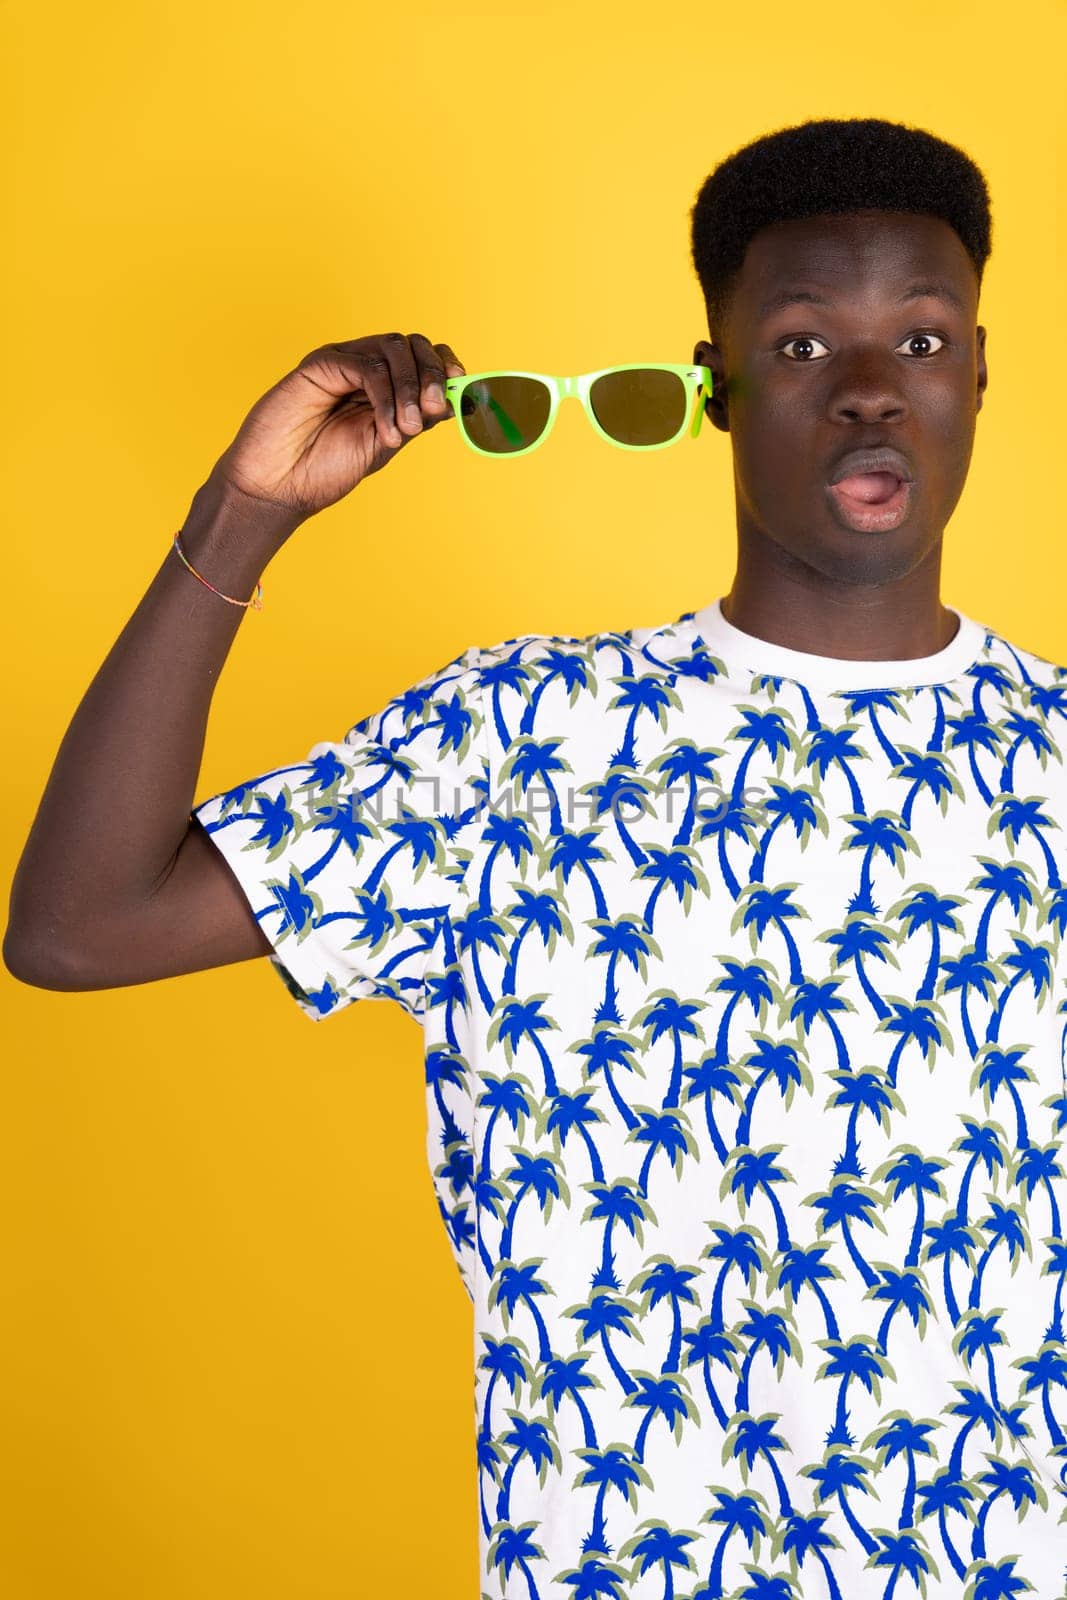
x=116, y=806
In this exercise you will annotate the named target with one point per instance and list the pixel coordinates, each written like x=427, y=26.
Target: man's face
x=801, y=385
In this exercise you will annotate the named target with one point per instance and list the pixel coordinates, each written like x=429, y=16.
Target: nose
x=867, y=391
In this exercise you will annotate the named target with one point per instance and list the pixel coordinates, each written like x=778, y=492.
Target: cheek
x=764, y=402
x=943, y=423
x=773, y=429
x=945, y=409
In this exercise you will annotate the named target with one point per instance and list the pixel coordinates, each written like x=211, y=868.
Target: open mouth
x=871, y=502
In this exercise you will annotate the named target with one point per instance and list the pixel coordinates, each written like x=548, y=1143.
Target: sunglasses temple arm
x=698, y=410
x=512, y=434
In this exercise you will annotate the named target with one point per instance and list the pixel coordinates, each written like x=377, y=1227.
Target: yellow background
x=236, y=1355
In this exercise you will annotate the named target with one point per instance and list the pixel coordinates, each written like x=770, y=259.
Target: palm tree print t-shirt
x=741, y=982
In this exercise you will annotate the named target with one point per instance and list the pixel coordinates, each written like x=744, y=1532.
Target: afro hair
x=831, y=167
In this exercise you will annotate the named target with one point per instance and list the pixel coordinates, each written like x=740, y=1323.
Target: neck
x=803, y=610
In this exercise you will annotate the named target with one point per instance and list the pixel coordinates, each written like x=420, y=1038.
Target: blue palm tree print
x=744, y=1001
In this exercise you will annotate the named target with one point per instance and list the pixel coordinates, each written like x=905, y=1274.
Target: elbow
x=37, y=963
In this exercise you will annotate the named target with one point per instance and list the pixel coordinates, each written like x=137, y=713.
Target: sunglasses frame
x=698, y=387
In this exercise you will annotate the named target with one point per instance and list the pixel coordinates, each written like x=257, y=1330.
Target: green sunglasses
x=634, y=407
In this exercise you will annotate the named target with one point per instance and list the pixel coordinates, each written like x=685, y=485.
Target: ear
x=983, y=375
x=716, y=405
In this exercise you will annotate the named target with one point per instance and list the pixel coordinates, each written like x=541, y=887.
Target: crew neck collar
x=743, y=654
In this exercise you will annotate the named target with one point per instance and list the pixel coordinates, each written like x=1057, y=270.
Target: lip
x=858, y=515
x=863, y=518
x=880, y=459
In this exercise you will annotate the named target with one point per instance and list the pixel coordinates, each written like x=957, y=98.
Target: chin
x=868, y=558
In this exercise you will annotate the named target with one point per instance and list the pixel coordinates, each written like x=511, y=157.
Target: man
x=735, y=942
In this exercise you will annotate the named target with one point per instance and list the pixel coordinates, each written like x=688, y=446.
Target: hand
x=336, y=418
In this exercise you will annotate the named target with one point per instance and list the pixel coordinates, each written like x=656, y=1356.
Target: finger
x=453, y=365
x=404, y=372
x=432, y=374
x=361, y=367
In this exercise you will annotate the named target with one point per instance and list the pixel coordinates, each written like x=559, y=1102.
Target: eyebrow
x=931, y=290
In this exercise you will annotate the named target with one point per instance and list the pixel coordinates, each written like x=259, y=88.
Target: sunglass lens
x=640, y=406
x=506, y=413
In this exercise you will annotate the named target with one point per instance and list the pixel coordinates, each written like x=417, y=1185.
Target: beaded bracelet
x=255, y=601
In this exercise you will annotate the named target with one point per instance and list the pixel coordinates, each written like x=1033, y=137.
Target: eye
x=927, y=337
x=801, y=339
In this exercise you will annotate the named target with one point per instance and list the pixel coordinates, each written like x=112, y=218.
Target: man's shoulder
x=1027, y=665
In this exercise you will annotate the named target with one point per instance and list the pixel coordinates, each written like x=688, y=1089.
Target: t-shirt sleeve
x=353, y=858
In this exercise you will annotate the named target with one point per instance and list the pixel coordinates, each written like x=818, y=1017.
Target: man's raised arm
x=117, y=883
